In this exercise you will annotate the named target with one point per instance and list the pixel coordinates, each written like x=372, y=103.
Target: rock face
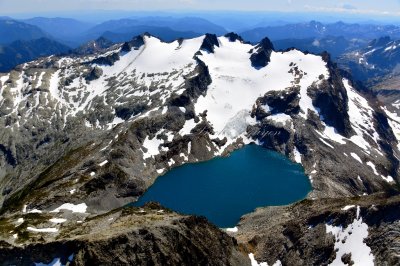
x=262, y=56
x=233, y=37
x=92, y=47
x=107, y=60
x=94, y=74
x=209, y=42
x=92, y=133
x=135, y=43
x=331, y=99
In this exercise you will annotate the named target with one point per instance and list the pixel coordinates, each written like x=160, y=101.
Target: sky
x=364, y=7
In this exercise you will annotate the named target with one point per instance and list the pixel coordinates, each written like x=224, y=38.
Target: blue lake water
x=224, y=189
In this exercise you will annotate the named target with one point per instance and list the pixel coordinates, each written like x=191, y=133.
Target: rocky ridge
x=319, y=232
x=126, y=236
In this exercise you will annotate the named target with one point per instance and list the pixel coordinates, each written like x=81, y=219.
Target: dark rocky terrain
x=93, y=47
x=297, y=234
x=82, y=136
x=127, y=236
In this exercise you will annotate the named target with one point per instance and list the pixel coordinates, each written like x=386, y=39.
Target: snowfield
x=237, y=84
x=350, y=240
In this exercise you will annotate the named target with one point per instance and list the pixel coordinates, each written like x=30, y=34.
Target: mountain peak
x=209, y=42
x=262, y=55
x=233, y=37
x=135, y=43
x=382, y=41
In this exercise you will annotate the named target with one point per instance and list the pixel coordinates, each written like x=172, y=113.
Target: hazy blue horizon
x=247, y=17
x=385, y=7
x=352, y=10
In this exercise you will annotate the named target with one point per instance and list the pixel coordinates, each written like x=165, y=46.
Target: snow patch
x=58, y=220
x=280, y=118
x=152, y=146
x=372, y=165
x=361, y=118
x=171, y=162
x=35, y=211
x=79, y=208
x=160, y=171
x=297, y=155
x=388, y=179
x=255, y=263
x=232, y=230
x=331, y=134
x=351, y=240
x=103, y=163
x=42, y=230
x=348, y=207
x=326, y=143
x=355, y=156
x=116, y=121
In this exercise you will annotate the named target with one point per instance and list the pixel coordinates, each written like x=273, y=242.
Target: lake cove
x=224, y=189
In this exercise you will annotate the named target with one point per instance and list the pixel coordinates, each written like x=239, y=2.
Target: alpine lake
x=225, y=188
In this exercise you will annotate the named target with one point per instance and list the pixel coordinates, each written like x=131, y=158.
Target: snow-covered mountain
x=232, y=90
x=91, y=133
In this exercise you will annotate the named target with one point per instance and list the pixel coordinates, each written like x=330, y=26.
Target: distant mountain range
x=12, y=30
x=375, y=63
x=164, y=33
x=25, y=40
x=74, y=33
x=316, y=29
x=336, y=46
x=192, y=24
x=64, y=29
x=19, y=52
